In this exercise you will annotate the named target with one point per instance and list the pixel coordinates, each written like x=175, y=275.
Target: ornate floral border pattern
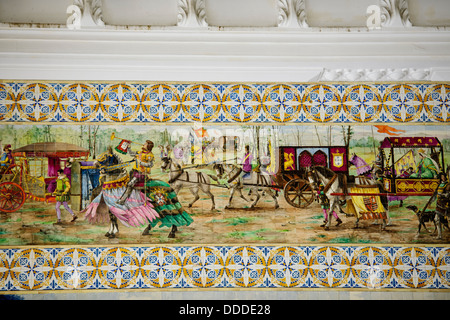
x=157, y=267
x=149, y=267
x=90, y=102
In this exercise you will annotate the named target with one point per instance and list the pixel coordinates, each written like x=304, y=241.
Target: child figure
x=325, y=204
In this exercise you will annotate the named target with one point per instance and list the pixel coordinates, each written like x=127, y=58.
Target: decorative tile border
x=90, y=102
x=156, y=267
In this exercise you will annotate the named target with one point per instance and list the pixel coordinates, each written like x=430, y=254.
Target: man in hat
x=6, y=159
x=62, y=195
x=142, y=167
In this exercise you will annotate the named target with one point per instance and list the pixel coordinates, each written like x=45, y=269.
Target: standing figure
x=62, y=195
x=379, y=182
x=142, y=167
x=67, y=171
x=247, y=163
x=6, y=159
x=442, y=202
x=325, y=204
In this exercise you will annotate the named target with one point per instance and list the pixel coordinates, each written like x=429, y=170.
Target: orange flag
x=388, y=130
x=201, y=133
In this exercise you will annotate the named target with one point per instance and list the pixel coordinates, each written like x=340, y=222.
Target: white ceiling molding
x=86, y=13
x=216, y=40
x=214, y=56
x=191, y=13
x=396, y=74
x=395, y=13
x=293, y=14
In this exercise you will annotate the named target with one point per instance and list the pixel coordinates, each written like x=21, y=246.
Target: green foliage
x=233, y=221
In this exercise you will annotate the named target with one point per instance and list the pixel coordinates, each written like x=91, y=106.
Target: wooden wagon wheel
x=298, y=193
x=12, y=197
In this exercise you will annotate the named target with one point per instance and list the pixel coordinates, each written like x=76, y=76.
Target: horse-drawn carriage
x=423, y=179
x=35, y=167
x=290, y=174
x=12, y=195
x=294, y=162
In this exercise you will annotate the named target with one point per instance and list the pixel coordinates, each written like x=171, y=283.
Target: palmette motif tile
x=90, y=102
x=164, y=267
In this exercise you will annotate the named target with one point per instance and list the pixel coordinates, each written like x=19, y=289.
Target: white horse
x=255, y=182
x=181, y=178
x=317, y=174
x=113, y=183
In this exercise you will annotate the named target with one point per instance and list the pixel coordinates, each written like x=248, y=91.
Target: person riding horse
x=6, y=159
x=142, y=167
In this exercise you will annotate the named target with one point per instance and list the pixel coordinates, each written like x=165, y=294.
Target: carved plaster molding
x=292, y=14
x=191, y=13
x=404, y=74
x=395, y=13
x=97, y=12
x=85, y=14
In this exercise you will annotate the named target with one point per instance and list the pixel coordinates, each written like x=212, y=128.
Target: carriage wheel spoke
x=11, y=197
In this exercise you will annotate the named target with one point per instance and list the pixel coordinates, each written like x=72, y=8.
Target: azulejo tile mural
x=90, y=268
x=213, y=123
x=128, y=102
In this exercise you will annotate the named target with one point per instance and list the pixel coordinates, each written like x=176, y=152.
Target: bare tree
x=93, y=140
x=347, y=134
x=317, y=134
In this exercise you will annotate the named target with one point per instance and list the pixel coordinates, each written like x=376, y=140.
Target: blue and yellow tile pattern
x=215, y=266
x=90, y=102
x=156, y=267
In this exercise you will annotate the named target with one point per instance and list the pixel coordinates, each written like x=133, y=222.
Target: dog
x=427, y=216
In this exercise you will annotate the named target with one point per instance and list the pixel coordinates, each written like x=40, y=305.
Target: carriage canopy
x=51, y=150
x=410, y=142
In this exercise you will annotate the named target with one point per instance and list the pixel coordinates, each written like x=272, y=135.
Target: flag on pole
x=123, y=146
x=201, y=132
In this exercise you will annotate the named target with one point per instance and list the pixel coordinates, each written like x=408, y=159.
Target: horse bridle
x=220, y=168
x=312, y=173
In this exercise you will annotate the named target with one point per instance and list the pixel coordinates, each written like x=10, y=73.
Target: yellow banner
x=368, y=207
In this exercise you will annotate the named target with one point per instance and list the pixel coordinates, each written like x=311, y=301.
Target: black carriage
x=292, y=169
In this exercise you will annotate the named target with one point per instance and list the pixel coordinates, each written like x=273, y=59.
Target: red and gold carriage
x=397, y=155
x=35, y=166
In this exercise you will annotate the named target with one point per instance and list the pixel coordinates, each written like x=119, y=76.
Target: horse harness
x=343, y=181
x=200, y=177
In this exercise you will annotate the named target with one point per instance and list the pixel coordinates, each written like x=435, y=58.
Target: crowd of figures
x=136, y=199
